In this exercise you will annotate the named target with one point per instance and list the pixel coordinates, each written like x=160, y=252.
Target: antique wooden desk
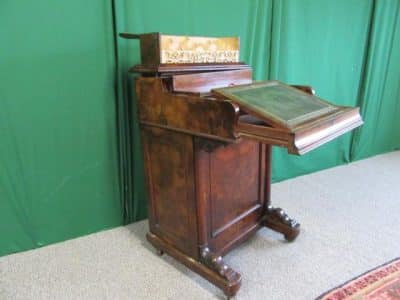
x=207, y=153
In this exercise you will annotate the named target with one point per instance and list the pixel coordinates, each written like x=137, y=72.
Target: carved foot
x=217, y=265
x=278, y=220
x=208, y=265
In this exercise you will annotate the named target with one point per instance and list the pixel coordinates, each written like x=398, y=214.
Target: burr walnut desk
x=206, y=132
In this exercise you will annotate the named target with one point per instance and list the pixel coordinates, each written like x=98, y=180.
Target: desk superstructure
x=206, y=132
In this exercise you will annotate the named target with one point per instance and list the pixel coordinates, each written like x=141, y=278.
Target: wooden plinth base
x=227, y=280
x=212, y=267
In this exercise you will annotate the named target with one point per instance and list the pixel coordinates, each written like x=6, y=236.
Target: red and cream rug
x=381, y=283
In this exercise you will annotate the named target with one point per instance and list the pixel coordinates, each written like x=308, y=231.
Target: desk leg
x=278, y=220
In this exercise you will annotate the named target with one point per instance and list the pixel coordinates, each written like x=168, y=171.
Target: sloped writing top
x=295, y=119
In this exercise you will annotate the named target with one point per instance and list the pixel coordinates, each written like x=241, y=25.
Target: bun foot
x=278, y=220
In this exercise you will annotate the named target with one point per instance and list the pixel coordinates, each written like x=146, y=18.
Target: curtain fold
x=58, y=160
x=322, y=44
x=379, y=96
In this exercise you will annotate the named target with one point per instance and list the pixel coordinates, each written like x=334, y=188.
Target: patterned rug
x=381, y=283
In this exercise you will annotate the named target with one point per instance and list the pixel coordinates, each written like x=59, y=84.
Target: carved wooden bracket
x=279, y=214
x=278, y=220
x=216, y=264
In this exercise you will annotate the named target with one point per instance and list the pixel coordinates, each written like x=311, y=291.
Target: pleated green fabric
x=322, y=44
x=68, y=168
x=58, y=159
x=379, y=96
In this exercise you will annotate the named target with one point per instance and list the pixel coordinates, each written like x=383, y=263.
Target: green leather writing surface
x=273, y=100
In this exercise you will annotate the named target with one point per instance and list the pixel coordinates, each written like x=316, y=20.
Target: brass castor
x=159, y=252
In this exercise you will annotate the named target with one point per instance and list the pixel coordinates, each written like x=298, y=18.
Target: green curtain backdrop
x=321, y=43
x=58, y=159
x=69, y=167
x=379, y=95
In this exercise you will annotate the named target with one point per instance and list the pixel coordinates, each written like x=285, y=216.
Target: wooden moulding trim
x=308, y=136
x=265, y=134
x=339, y=114
x=165, y=68
x=229, y=288
x=205, y=135
x=266, y=139
x=235, y=220
x=326, y=139
x=314, y=137
x=205, y=82
x=263, y=129
x=240, y=238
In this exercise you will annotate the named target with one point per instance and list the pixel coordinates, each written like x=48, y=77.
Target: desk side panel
x=169, y=172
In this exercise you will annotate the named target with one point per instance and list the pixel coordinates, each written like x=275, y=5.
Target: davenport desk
x=206, y=132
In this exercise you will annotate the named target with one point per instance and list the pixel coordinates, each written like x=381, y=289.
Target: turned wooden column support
x=277, y=219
